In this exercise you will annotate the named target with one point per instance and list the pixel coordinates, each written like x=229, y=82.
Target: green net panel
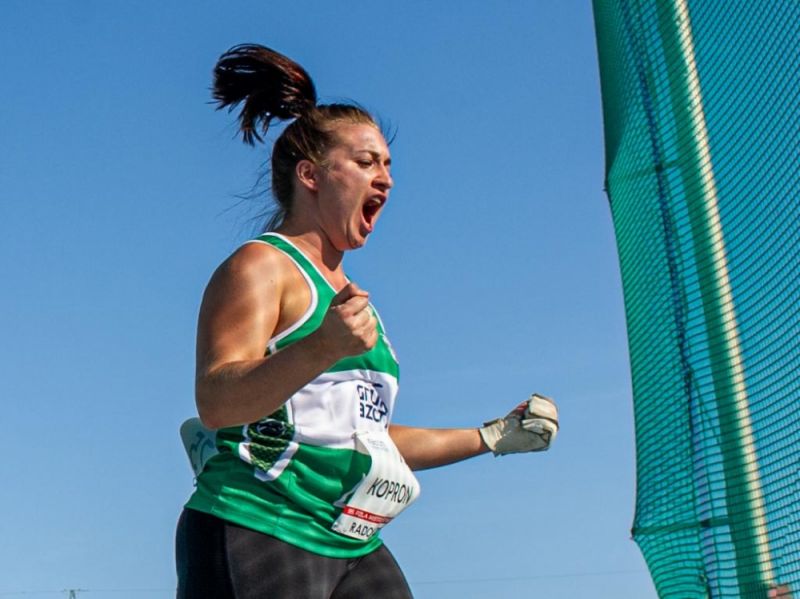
x=701, y=102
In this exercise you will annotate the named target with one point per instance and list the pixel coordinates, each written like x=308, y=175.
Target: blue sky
x=494, y=268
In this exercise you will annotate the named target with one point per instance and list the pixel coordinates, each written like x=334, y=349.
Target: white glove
x=531, y=426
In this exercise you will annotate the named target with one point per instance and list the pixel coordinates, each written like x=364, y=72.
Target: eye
x=365, y=162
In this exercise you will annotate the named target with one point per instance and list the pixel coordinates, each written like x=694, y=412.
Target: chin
x=356, y=244
x=357, y=241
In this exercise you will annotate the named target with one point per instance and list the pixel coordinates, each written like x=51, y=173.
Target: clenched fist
x=531, y=426
x=349, y=327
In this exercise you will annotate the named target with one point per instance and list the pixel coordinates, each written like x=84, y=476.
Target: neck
x=317, y=248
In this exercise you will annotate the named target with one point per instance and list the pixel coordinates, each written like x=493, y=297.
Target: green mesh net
x=701, y=101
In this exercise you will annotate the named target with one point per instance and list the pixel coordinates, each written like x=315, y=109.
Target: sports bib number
x=388, y=488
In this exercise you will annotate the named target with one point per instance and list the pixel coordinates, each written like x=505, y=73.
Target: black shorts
x=220, y=560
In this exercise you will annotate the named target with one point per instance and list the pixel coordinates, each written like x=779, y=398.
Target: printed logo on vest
x=270, y=428
x=370, y=405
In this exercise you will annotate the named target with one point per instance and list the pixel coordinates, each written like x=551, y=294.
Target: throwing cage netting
x=701, y=101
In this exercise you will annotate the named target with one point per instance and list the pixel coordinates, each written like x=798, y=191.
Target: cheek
x=349, y=194
x=335, y=209
x=342, y=195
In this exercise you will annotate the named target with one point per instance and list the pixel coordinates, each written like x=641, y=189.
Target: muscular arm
x=242, y=309
x=424, y=448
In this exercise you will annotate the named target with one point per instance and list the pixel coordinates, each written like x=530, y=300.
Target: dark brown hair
x=272, y=86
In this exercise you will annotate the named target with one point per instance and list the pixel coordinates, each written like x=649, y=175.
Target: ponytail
x=271, y=86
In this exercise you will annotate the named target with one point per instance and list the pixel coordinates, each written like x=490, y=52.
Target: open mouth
x=370, y=210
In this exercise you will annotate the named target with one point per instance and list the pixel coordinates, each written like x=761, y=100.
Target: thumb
x=348, y=291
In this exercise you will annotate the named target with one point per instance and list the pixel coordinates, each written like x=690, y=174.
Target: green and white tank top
x=289, y=474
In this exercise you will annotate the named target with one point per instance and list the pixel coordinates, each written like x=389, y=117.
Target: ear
x=307, y=174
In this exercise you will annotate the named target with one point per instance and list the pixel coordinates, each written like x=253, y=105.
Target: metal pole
x=744, y=498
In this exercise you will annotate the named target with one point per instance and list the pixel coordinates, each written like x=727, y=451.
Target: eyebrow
x=375, y=155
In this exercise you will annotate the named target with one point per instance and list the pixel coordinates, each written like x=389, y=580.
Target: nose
x=384, y=180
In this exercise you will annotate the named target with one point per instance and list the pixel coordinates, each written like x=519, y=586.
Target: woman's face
x=353, y=185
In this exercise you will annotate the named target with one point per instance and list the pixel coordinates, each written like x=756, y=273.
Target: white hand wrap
x=531, y=426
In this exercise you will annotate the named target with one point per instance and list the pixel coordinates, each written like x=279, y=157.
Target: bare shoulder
x=248, y=280
x=257, y=291
x=254, y=266
x=255, y=258
x=241, y=307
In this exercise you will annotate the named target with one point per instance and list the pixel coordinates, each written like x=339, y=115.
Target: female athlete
x=296, y=376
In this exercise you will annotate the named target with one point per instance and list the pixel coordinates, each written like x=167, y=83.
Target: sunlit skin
x=258, y=292
x=348, y=191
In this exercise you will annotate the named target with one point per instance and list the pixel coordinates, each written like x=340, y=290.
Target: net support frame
x=744, y=497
